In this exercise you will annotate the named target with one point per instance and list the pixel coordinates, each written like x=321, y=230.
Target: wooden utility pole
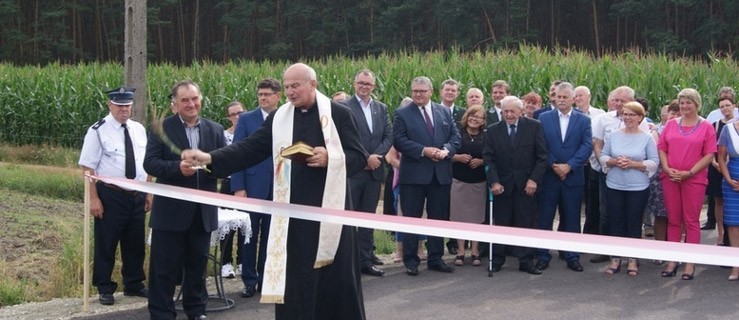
x=135, y=55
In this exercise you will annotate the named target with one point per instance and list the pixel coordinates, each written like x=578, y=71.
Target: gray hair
x=566, y=86
x=515, y=101
x=422, y=80
x=583, y=88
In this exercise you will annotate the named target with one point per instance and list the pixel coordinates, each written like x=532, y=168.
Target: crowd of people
x=513, y=162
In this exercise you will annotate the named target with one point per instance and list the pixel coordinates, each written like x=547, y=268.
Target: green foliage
x=384, y=242
x=11, y=292
x=56, y=104
x=45, y=155
x=61, y=184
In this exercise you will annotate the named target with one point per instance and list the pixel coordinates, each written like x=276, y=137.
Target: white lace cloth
x=230, y=220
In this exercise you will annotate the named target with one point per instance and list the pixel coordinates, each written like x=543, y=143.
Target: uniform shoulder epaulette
x=98, y=124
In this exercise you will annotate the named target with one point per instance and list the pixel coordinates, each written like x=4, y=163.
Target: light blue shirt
x=637, y=147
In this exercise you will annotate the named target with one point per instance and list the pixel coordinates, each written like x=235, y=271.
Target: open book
x=298, y=151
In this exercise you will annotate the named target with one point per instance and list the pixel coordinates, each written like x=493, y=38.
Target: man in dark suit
x=426, y=136
x=256, y=182
x=551, y=103
x=569, y=137
x=500, y=90
x=449, y=94
x=181, y=229
x=333, y=290
x=373, y=124
x=516, y=156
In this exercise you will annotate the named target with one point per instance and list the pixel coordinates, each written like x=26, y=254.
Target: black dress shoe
x=143, y=292
x=106, y=299
x=376, y=261
x=600, y=258
x=412, y=271
x=574, y=266
x=443, y=267
x=529, y=269
x=495, y=268
x=542, y=265
x=371, y=270
x=708, y=226
x=248, y=291
x=200, y=317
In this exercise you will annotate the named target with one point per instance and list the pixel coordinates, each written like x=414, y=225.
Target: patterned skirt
x=731, y=197
x=656, y=201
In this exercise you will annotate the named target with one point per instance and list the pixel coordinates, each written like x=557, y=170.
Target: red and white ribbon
x=576, y=242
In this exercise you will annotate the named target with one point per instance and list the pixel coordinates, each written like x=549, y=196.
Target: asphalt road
x=559, y=293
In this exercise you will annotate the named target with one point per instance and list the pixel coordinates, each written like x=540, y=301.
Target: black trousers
x=173, y=254
x=516, y=210
x=122, y=222
x=365, y=193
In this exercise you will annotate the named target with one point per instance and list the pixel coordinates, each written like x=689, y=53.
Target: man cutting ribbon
x=320, y=257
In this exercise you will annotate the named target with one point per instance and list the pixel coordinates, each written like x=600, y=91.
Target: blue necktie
x=513, y=133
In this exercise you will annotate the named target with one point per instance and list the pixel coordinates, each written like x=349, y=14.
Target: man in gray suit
x=373, y=123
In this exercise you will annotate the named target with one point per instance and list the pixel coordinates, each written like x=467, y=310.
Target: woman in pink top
x=686, y=147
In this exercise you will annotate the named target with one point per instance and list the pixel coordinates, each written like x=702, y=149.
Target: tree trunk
x=181, y=24
x=595, y=28
x=196, y=31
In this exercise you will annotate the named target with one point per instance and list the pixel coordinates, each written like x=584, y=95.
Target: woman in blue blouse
x=631, y=157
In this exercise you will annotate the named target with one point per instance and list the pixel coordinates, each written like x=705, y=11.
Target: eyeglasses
x=629, y=114
x=365, y=84
x=475, y=118
x=420, y=91
x=235, y=113
x=265, y=94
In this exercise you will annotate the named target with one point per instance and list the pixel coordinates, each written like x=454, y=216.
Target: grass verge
x=53, y=182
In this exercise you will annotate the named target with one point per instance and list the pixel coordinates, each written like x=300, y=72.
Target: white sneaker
x=238, y=270
x=227, y=271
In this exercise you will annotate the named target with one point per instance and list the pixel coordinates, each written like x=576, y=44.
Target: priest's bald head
x=300, y=85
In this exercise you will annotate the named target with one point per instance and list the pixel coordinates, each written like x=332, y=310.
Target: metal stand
x=218, y=301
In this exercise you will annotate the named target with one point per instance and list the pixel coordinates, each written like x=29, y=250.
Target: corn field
x=55, y=104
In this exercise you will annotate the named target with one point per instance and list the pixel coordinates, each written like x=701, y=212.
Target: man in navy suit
x=373, y=124
x=426, y=136
x=256, y=182
x=568, y=138
x=181, y=229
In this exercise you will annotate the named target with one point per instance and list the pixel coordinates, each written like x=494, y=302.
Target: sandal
x=633, y=268
x=459, y=260
x=670, y=273
x=617, y=269
x=476, y=261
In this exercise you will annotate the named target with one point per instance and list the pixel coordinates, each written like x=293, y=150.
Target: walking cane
x=490, y=247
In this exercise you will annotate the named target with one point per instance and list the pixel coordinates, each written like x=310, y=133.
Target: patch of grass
x=46, y=155
x=34, y=231
x=11, y=292
x=384, y=242
x=60, y=183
